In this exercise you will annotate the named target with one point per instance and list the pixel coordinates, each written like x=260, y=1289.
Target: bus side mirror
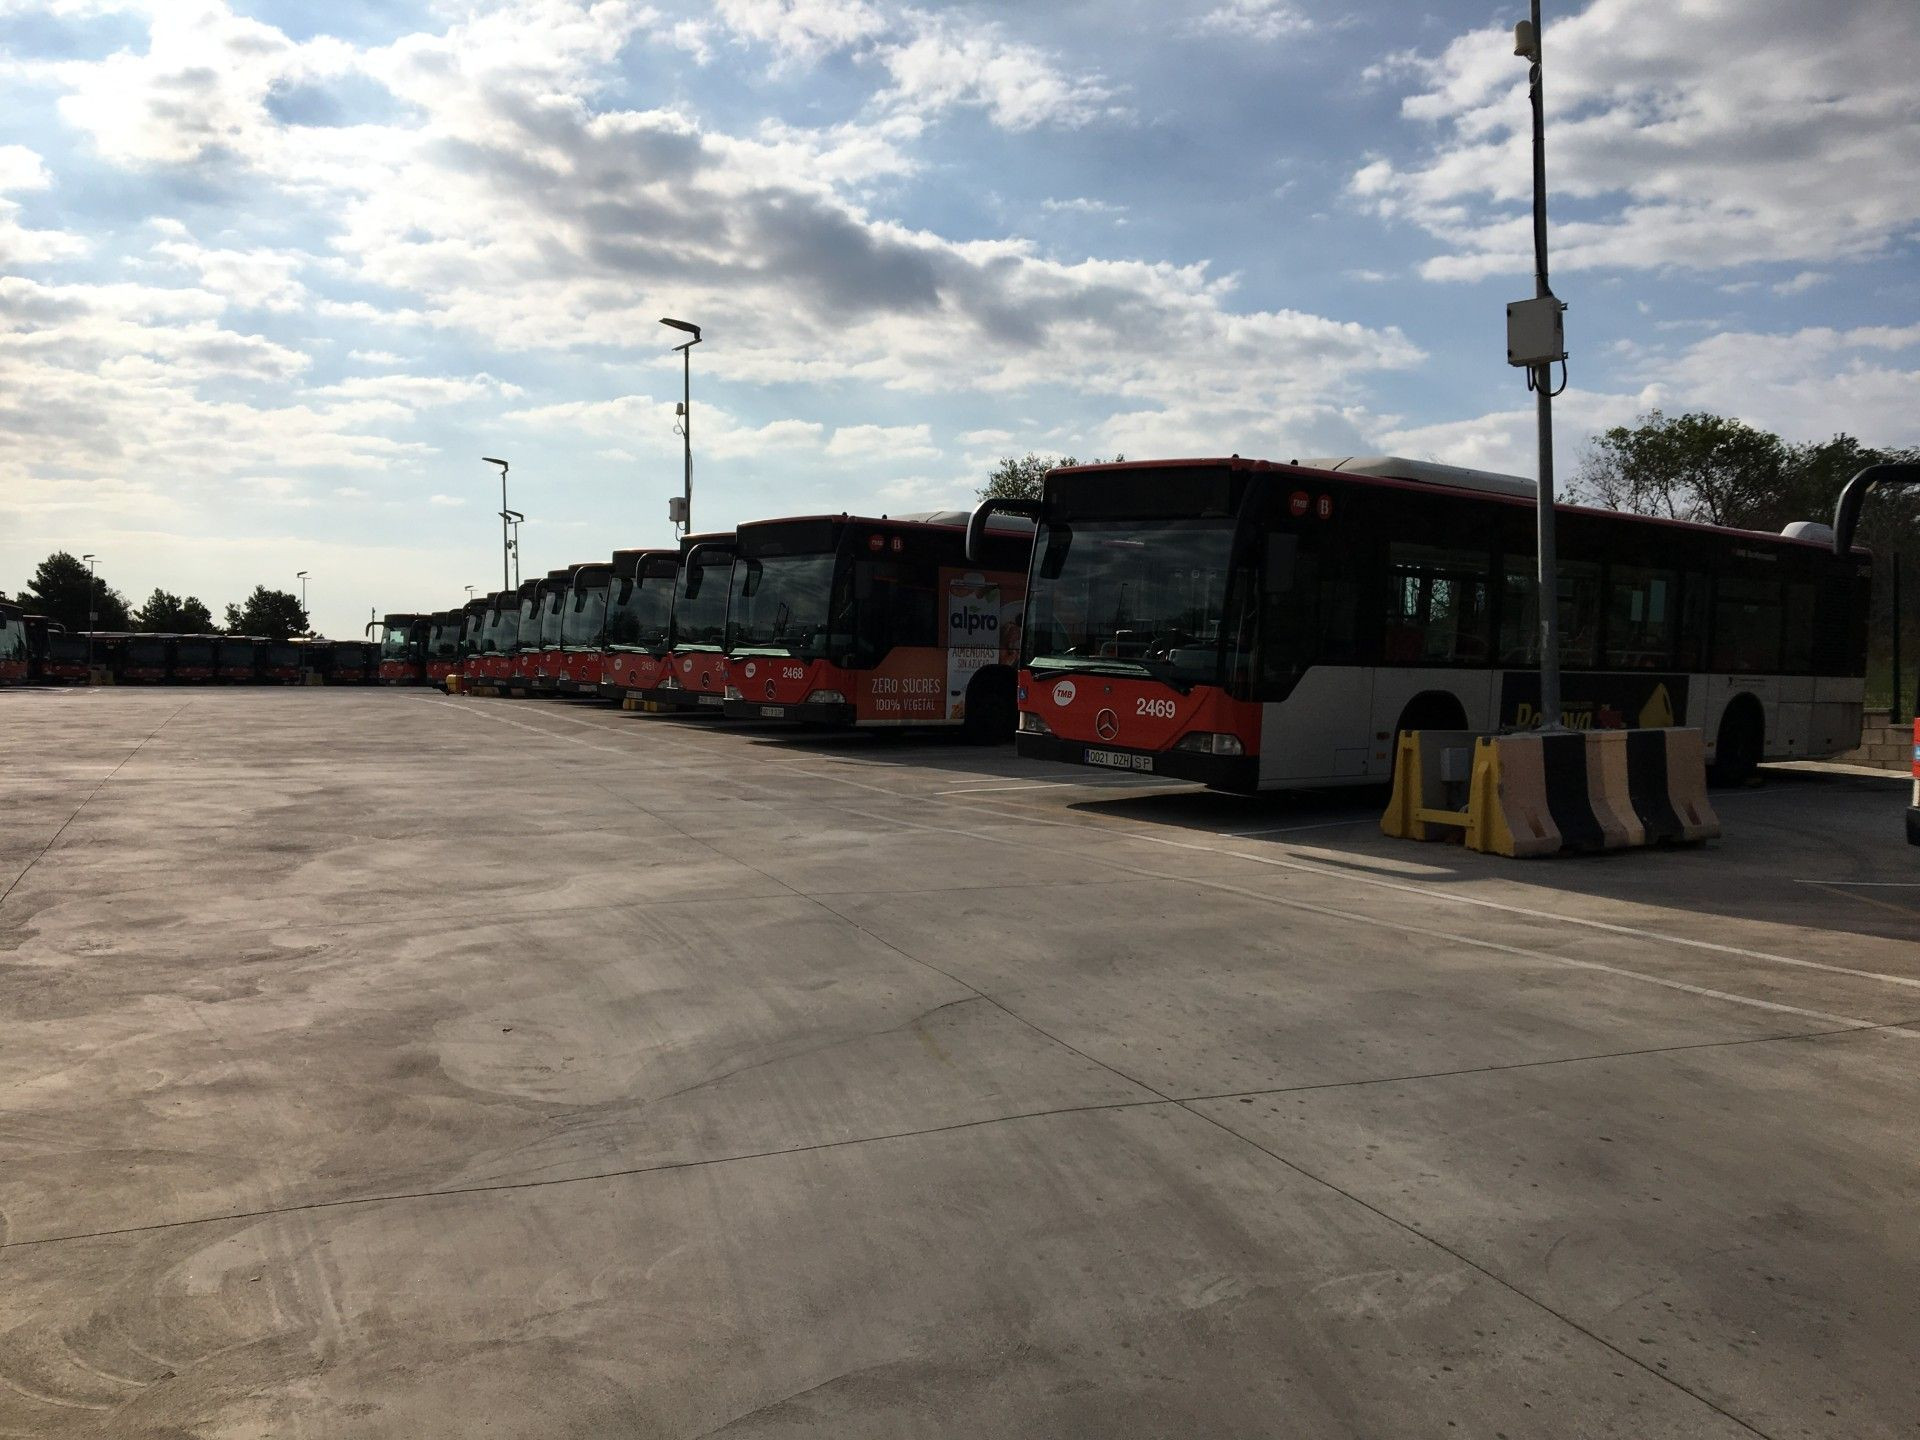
x=1054, y=559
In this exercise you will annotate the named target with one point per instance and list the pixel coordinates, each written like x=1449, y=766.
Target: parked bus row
x=1244, y=624
x=36, y=650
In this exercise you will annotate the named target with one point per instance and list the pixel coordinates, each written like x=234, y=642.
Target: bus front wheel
x=992, y=711
x=1742, y=742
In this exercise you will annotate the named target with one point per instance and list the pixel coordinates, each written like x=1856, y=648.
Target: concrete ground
x=383, y=1064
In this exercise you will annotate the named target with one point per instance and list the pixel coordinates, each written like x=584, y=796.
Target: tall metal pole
x=93, y=616
x=1541, y=376
x=686, y=435
x=1893, y=706
x=506, y=539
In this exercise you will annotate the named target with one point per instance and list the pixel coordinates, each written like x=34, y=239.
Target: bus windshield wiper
x=1109, y=665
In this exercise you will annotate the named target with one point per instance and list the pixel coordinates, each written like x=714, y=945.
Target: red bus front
x=693, y=671
x=691, y=679
x=1145, y=726
x=638, y=622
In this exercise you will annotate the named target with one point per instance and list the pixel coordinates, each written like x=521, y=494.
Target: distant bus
x=524, y=658
x=13, y=644
x=1252, y=626
x=639, y=621
x=693, y=673
x=65, y=658
x=348, y=662
x=845, y=621
x=444, y=630
x=583, y=624
x=144, y=659
x=236, y=658
x=403, y=648
x=473, y=619
x=192, y=659
x=477, y=668
x=38, y=628
x=552, y=596
x=280, y=662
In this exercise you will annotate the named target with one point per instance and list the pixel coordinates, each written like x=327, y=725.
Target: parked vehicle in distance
x=553, y=603
x=403, y=648
x=352, y=662
x=694, y=671
x=144, y=659
x=473, y=616
x=38, y=628
x=65, y=660
x=443, y=645
x=280, y=662
x=1253, y=626
x=236, y=659
x=845, y=621
x=13, y=644
x=193, y=661
x=639, y=619
x=583, y=624
x=524, y=657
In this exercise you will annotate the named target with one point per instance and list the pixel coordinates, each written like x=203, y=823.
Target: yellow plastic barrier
x=454, y=682
x=1545, y=793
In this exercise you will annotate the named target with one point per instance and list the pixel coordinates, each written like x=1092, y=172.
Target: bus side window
x=1579, y=613
x=1437, y=605
x=1747, y=622
x=1641, y=614
x=1696, y=588
x=1801, y=610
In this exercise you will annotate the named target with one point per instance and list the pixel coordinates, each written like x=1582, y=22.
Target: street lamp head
x=489, y=460
x=299, y=574
x=686, y=325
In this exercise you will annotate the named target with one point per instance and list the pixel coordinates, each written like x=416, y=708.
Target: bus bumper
x=1237, y=773
x=835, y=717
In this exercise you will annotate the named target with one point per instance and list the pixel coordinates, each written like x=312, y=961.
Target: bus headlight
x=826, y=697
x=1208, y=742
x=732, y=692
x=1032, y=724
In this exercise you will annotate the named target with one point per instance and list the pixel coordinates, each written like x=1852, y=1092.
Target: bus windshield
x=585, y=616
x=194, y=652
x=444, y=642
x=701, y=618
x=638, y=612
x=550, y=618
x=394, y=646
x=526, y=630
x=785, y=603
x=143, y=651
x=66, y=648
x=1131, y=596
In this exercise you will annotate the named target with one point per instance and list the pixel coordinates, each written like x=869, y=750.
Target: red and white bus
x=583, y=623
x=544, y=677
x=444, y=630
x=693, y=673
x=1260, y=626
x=480, y=668
x=524, y=656
x=639, y=621
x=65, y=659
x=844, y=621
x=13, y=645
x=403, y=648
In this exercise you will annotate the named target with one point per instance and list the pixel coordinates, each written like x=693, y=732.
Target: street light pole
x=506, y=540
x=301, y=576
x=1536, y=339
x=686, y=418
x=93, y=615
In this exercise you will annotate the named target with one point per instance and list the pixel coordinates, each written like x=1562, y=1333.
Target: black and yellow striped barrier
x=1550, y=793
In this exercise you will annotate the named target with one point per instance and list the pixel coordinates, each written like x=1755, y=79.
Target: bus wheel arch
x=993, y=709
x=1741, y=741
x=1429, y=710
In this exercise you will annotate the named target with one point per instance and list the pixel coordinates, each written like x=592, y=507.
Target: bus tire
x=1429, y=710
x=1742, y=741
x=992, y=711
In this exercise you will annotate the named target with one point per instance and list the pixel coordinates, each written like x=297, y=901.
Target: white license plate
x=773, y=712
x=1117, y=760
x=709, y=700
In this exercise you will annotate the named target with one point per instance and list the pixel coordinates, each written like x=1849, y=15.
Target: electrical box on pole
x=1536, y=331
x=677, y=509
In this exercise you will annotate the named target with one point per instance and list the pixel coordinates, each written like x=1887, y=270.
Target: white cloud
x=1695, y=136
x=948, y=63
x=1254, y=20
x=376, y=357
x=806, y=29
x=882, y=442
x=446, y=500
x=1082, y=205
x=1805, y=280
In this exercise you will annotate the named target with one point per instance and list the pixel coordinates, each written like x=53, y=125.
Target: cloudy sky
x=273, y=276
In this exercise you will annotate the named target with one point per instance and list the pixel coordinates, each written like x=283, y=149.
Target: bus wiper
x=1108, y=665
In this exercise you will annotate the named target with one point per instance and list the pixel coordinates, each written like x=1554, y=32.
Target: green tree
x=170, y=615
x=270, y=614
x=1686, y=467
x=58, y=590
x=1020, y=479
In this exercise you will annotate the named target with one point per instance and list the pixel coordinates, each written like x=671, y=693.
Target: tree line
x=64, y=591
